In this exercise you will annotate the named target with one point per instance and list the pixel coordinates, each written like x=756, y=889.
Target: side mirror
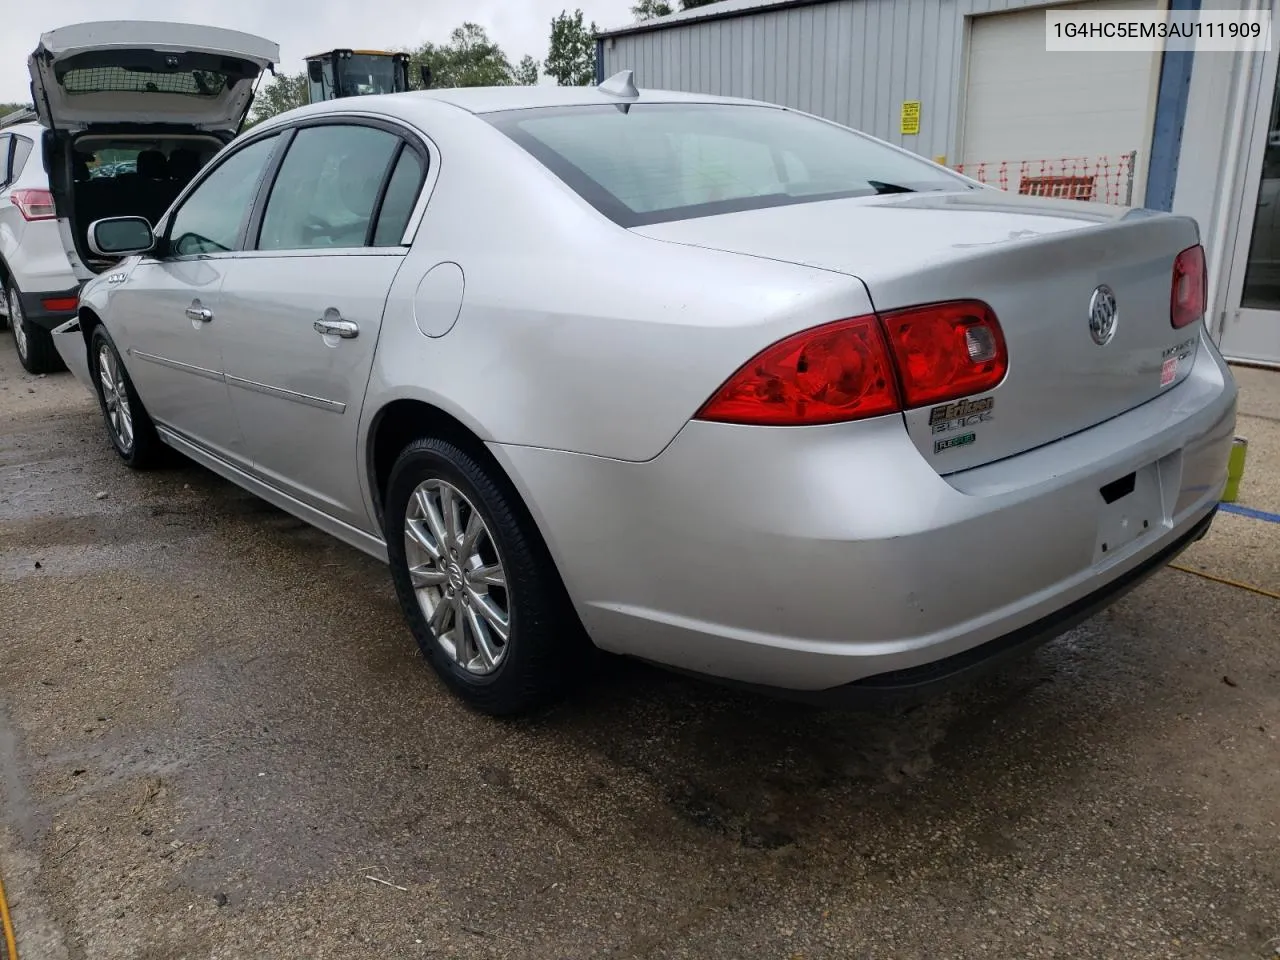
x=424, y=72
x=121, y=236
x=315, y=71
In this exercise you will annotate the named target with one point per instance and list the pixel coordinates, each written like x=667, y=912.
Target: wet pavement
x=217, y=740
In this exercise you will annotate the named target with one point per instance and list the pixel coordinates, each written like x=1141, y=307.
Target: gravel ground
x=214, y=730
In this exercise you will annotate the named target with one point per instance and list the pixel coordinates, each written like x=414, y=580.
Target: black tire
x=546, y=649
x=34, y=343
x=145, y=449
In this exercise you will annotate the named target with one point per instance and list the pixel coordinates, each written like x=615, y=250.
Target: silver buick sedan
x=707, y=382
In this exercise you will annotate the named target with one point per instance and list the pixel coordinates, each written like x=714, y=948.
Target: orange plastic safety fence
x=1105, y=179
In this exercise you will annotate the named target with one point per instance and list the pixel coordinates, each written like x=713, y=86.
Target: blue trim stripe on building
x=1171, y=112
x=1249, y=512
x=599, y=62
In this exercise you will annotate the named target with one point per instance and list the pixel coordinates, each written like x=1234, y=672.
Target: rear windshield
x=654, y=162
x=192, y=83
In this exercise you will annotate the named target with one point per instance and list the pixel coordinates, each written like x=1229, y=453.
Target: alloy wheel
x=17, y=321
x=115, y=398
x=457, y=576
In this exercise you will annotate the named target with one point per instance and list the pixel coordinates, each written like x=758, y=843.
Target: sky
x=302, y=27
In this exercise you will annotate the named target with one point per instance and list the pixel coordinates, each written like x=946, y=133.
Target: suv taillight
x=34, y=204
x=865, y=367
x=1188, y=299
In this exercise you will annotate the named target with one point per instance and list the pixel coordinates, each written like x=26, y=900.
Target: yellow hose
x=1230, y=583
x=6, y=924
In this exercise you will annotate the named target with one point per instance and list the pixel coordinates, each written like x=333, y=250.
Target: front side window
x=327, y=188
x=210, y=219
x=655, y=162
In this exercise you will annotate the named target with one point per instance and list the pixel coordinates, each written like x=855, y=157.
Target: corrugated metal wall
x=852, y=61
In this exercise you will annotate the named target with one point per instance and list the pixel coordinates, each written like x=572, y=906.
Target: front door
x=303, y=310
x=1251, y=331
x=172, y=355
x=167, y=311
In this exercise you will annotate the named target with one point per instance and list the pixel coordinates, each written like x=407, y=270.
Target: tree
x=648, y=9
x=281, y=93
x=690, y=4
x=469, y=59
x=571, y=54
x=527, y=72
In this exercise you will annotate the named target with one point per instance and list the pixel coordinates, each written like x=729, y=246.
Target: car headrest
x=184, y=164
x=358, y=178
x=152, y=165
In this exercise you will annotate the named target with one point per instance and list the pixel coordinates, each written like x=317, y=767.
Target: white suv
x=38, y=288
x=129, y=111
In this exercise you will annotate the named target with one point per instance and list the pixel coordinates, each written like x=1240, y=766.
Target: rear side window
x=327, y=188
x=21, y=150
x=401, y=196
x=6, y=143
x=671, y=161
x=210, y=219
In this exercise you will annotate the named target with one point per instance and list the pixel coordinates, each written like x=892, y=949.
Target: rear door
x=302, y=313
x=166, y=312
x=147, y=72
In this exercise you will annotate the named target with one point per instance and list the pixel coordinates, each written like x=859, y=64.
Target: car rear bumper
x=50, y=308
x=809, y=559
x=914, y=683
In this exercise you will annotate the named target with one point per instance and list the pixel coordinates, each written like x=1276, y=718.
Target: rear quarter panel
x=574, y=333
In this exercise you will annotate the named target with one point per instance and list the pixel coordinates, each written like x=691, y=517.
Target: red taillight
x=839, y=371
x=61, y=304
x=846, y=370
x=1188, y=301
x=945, y=351
x=34, y=204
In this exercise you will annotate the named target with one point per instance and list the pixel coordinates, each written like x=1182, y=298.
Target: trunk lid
x=125, y=72
x=1036, y=262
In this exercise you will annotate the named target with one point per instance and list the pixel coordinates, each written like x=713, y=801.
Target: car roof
x=481, y=100
x=490, y=99
x=32, y=130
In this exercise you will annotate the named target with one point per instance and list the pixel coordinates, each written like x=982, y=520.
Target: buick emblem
x=1103, y=314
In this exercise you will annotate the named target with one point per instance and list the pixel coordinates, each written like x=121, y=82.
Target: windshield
x=654, y=162
x=365, y=74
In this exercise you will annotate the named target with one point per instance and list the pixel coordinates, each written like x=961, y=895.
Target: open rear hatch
x=135, y=78
x=1042, y=266
x=123, y=72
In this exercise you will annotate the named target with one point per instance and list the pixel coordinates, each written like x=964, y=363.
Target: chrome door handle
x=202, y=314
x=346, y=329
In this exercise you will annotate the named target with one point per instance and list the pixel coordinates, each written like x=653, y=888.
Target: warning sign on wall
x=910, y=117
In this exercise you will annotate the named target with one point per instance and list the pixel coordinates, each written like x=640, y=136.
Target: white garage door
x=1023, y=103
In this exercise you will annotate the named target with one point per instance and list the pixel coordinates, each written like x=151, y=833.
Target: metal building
x=966, y=82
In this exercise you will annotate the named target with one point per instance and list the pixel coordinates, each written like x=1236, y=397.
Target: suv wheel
x=33, y=343
x=475, y=582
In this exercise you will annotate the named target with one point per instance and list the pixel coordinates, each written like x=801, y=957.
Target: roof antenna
x=621, y=84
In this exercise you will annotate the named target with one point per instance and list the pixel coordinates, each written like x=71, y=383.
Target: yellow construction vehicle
x=357, y=73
